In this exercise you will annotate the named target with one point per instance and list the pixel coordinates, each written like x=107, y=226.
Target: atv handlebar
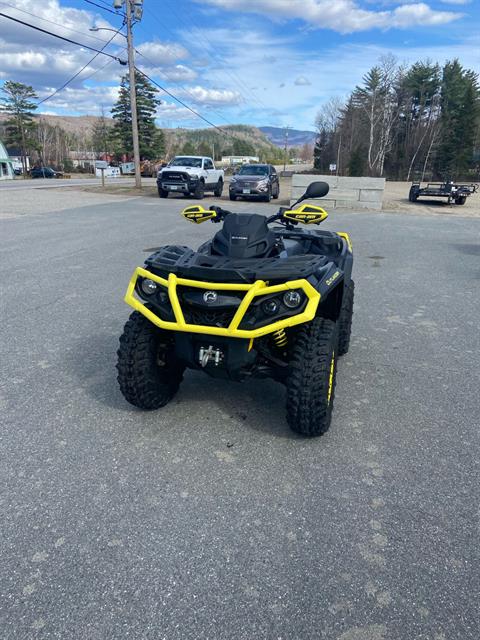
x=277, y=217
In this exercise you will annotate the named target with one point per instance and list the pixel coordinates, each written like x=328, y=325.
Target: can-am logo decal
x=210, y=297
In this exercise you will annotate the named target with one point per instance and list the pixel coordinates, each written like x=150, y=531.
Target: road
x=209, y=519
x=49, y=183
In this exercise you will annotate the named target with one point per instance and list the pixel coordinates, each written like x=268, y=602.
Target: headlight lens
x=270, y=307
x=263, y=183
x=292, y=299
x=148, y=286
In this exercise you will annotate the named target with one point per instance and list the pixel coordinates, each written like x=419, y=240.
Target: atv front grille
x=210, y=317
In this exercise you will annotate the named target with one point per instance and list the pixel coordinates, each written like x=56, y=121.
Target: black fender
x=330, y=285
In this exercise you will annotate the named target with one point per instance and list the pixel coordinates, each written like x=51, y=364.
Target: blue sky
x=261, y=62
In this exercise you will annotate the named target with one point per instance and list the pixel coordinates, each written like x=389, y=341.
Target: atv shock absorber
x=280, y=338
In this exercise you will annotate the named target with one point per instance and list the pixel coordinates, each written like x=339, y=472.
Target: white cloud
x=302, y=81
x=46, y=63
x=344, y=16
x=81, y=101
x=213, y=97
x=160, y=53
x=170, y=111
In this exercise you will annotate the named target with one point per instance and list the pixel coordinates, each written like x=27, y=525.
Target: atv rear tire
x=311, y=382
x=345, y=322
x=461, y=200
x=148, y=374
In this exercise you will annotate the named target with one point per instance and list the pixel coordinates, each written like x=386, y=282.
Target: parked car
x=255, y=181
x=44, y=172
x=190, y=175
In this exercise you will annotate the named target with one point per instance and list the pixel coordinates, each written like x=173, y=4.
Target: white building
x=16, y=157
x=235, y=160
x=6, y=169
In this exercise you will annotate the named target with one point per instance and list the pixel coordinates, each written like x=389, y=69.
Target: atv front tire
x=345, y=320
x=148, y=374
x=311, y=382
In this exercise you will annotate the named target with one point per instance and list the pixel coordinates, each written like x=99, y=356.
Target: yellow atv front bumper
x=258, y=288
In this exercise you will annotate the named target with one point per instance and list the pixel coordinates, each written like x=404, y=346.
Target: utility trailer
x=457, y=193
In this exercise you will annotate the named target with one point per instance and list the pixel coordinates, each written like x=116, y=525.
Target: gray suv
x=255, y=181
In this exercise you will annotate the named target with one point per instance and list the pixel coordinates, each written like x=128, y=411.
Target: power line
x=55, y=35
x=221, y=65
x=184, y=104
x=183, y=88
x=82, y=69
x=57, y=24
x=115, y=13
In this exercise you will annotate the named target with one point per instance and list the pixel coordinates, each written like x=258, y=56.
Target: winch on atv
x=255, y=301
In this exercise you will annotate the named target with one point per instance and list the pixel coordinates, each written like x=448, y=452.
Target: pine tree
x=459, y=112
x=188, y=149
x=20, y=129
x=356, y=164
x=151, y=139
x=319, y=157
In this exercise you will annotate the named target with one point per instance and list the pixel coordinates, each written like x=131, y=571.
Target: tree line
x=51, y=145
x=404, y=122
x=111, y=137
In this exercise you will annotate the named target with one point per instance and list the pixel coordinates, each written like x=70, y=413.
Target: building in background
x=236, y=160
x=6, y=168
x=15, y=156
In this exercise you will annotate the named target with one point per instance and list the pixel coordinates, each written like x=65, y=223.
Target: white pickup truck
x=190, y=175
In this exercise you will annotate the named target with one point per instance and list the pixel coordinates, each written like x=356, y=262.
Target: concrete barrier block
x=352, y=205
x=371, y=195
x=344, y=194
x=303, y=180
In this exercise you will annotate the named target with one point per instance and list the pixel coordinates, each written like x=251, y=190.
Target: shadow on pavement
x=256, y=404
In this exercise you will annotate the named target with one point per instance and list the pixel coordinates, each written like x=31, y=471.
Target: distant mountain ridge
x=296, y=137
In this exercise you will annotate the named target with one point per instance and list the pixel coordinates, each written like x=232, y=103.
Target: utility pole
x=286, y=146
x=133, y=95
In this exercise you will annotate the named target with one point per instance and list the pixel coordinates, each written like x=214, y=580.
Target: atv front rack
x=258, y=288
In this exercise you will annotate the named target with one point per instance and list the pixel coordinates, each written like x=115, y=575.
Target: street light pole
x=133, y=94
x=286, y=148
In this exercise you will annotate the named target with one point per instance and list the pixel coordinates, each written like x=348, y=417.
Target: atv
x=255, y=301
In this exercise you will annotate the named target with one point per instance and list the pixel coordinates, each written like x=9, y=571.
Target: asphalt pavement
x=209, y=519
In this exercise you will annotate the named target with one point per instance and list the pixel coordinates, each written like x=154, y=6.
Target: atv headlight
x=292, y=299
x=148, y=286
x=270, y=307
